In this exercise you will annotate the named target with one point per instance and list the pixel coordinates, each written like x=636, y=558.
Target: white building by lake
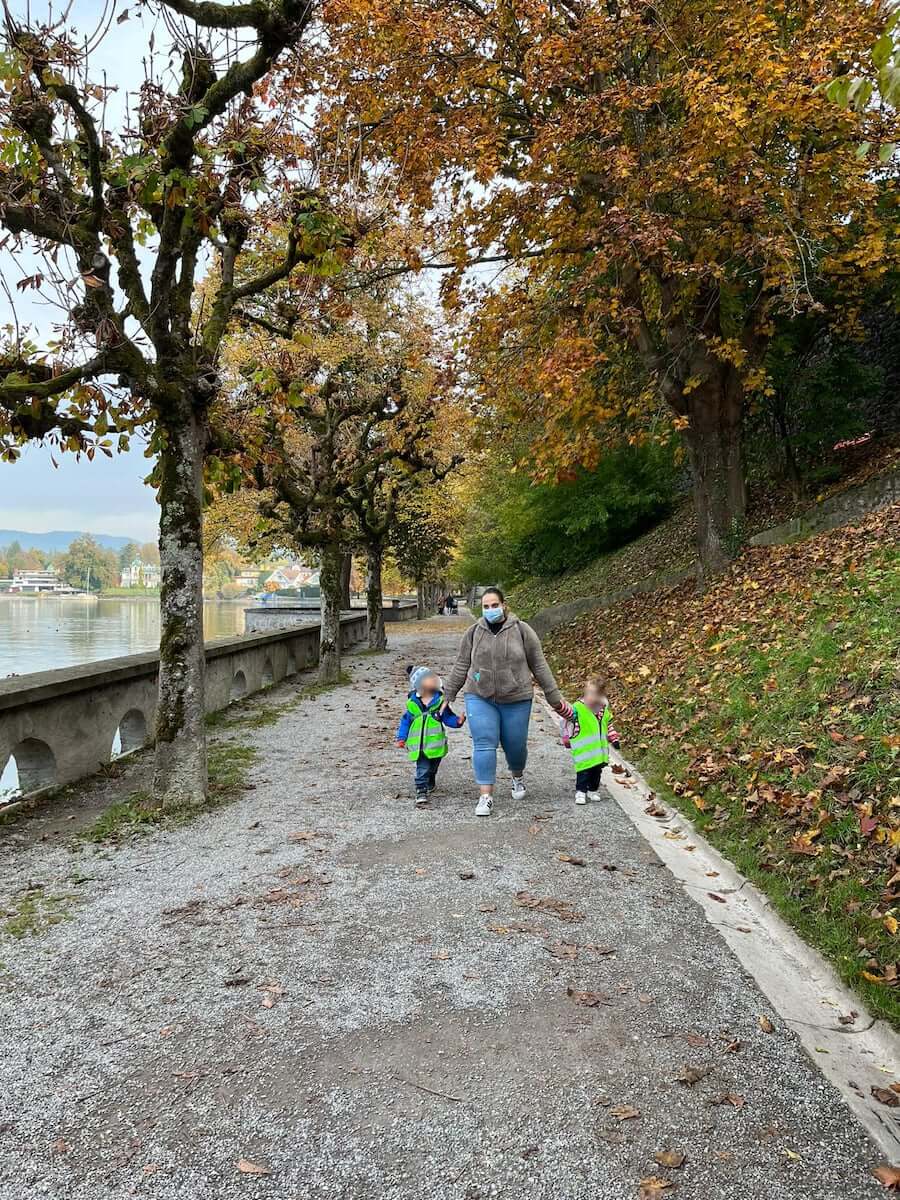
x=33, y=582
x=141, y=574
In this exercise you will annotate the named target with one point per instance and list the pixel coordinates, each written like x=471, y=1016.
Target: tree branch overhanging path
x=142, y=212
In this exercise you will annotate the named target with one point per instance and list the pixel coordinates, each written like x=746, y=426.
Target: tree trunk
x=420, y=600
x=179, y=774
x=346, y=568
x=791, y=467
x=374, y=597
x=330, y=637
x=713, y=439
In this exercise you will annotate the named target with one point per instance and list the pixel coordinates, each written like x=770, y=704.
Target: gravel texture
x=347, y=1012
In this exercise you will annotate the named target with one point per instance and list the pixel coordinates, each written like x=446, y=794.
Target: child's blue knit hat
x=417, y=674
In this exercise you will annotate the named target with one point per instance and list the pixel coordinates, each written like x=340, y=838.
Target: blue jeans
x=426, y=773
x=493, y=725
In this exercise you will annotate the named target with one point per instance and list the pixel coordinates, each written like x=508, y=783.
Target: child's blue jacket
x=449, y=718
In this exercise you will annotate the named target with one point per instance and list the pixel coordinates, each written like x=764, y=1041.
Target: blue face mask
x=492, y=614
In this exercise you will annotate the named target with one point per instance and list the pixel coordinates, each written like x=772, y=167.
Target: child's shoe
x=594, y=797
x=484, y=807
x=581, y=797
x=421, y=799
x=518, y=788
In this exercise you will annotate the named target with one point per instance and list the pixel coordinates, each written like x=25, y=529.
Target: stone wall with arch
x=59, y=726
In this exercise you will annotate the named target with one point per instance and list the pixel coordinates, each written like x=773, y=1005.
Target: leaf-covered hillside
x=769, y=710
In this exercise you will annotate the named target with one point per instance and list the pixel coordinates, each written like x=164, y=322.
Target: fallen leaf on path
x=692, y=1075
x=303, y=835
x=697, y=1040
x=766, y=1025
x=729, y=1098
x=563, y=950
x=441, y=955
x=238, y=981
x=467, y=874
x=653, y=1186
x=670, y=1158
x=534, y=829
x=654, y=810
x=570, y=858
x=624, y=1112
x=733, y=1047
x=888, y=1177
x=559, y=908
x=421, y=871
x=617, y=770
x=715, y=896
x=487, y=907
x=60, y=1146
x=587, y=999
x=251, y=1168
x=886, y=1096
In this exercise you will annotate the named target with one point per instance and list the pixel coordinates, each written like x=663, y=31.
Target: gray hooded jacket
x=500, y=666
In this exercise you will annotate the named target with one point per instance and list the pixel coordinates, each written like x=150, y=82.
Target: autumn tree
x=118, y=202
x=666, y=179
x=87, y=566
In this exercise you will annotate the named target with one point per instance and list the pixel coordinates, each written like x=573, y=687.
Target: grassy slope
x=670, y=545
x=768, y=709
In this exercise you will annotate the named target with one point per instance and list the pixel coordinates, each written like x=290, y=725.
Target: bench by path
x=366, y=1000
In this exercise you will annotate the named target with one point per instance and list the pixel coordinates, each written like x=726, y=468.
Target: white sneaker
x=518, y=788
x=594, y=797
x=485, y=806
x=581, y=798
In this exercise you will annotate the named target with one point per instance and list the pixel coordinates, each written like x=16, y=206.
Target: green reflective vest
x=590, y=746
x=426, y=733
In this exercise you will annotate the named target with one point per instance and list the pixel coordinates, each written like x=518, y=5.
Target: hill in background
x=60, y=539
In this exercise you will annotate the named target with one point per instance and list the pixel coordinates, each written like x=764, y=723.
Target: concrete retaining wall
x=264, y=617
x=61, y=725
x=838, y=510
x=835, y=511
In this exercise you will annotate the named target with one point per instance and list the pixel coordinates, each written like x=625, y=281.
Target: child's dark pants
x=589, y=780
x=426, y=773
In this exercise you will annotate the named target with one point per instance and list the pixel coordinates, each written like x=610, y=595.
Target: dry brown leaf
x=563, y=950
x=888, y=1177
x=670, y=1158
x=587, y=999
x=303, y=835
x=766, y=1025
x=251, y=1168
x=572, y=860
x=731, y=1098
x=60, y=1146
x=441, y=955
x=624, y=1112
x=692, y=1075
x=653, y=1186
x=886, y=1096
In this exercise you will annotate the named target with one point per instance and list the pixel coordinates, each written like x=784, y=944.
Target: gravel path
x=366, y=1000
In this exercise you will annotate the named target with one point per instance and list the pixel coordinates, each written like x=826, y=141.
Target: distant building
x=141, y=574
x=39, y=581
x=248, y=578
x=293, y=575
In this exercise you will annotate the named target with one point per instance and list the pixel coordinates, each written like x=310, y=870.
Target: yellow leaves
x=891, y=924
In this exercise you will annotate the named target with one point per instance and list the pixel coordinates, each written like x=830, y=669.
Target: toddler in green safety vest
x=589, y=733
x=421, y=731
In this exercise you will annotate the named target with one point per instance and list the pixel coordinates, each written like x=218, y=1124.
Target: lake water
x=41, y=633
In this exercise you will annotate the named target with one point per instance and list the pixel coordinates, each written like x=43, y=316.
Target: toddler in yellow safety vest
x=421, y=730
x=589, y=733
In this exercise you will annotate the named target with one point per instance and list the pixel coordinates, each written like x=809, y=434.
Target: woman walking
x=498, y=659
